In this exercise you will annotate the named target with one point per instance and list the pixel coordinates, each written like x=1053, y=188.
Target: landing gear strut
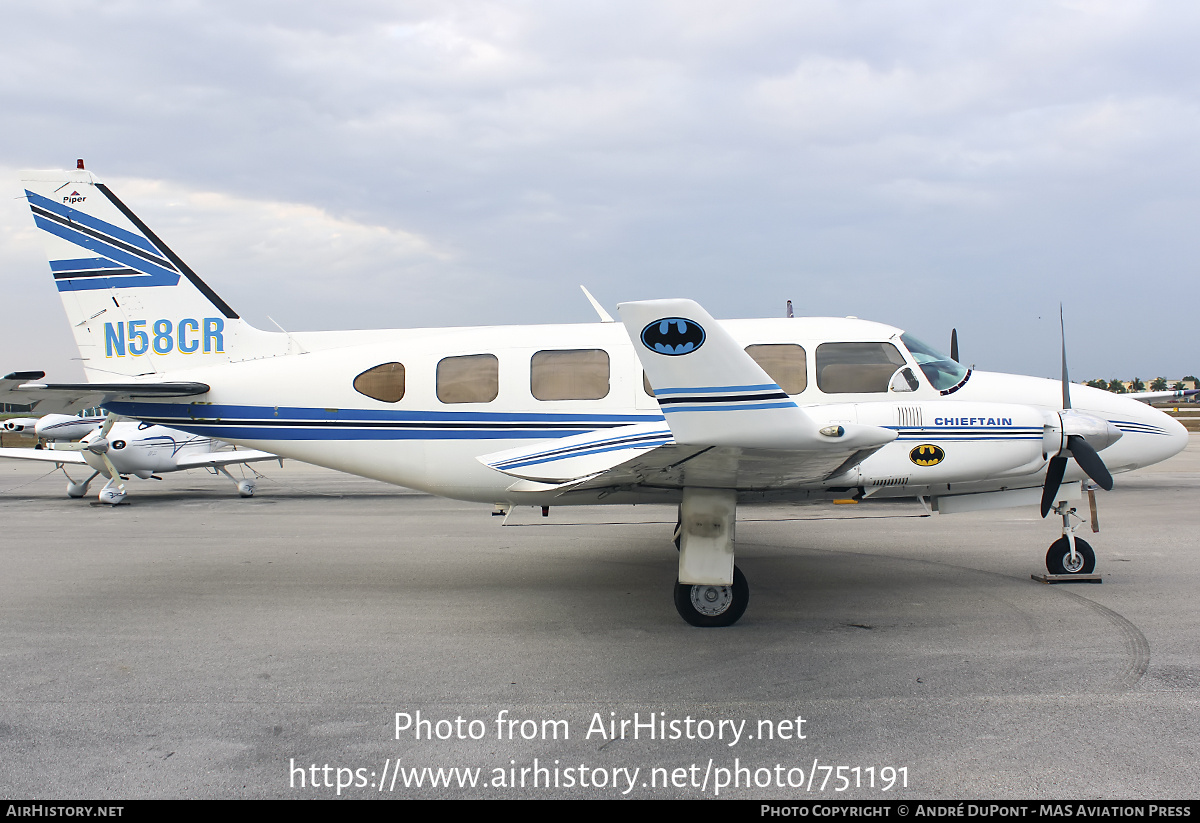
x=77, y=490
x=711, y=591
x=245, y=487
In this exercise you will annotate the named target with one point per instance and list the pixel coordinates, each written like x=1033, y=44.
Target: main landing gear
x=711, y=591
x=709, y=606
x=245, y=488
x=1070, y=554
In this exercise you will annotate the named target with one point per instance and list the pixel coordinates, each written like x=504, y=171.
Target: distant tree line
x=1117, y=386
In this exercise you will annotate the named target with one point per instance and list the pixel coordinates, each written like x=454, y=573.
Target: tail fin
x=134, y=306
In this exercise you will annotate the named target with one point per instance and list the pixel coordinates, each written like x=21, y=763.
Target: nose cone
x=1177, y=436
x=1150, y=436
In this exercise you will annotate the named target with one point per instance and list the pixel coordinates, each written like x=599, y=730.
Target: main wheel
x=1058, y=558
x=710, y=606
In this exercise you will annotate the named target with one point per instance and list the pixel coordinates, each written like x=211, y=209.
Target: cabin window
x=844, y=368
x=472, y=378
x=573, y=374
x=385, y=382
x=784, y=363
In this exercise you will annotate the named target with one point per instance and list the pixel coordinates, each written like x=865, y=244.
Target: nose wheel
x=1070, y=554
x=1060, y=560
x=713, y=606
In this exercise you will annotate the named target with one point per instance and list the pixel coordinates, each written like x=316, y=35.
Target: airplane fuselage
x=987, y=433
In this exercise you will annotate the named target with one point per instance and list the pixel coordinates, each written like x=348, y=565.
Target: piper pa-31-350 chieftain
x=727, y=412
x=121, y=449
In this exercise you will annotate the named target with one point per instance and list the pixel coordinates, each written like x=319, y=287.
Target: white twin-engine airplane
x=117, y=450
x=740, y=411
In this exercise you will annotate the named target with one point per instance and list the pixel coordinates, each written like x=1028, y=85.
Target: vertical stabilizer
x=134, y=306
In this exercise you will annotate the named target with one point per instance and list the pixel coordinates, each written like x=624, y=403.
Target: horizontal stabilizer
x=68, y=398
x=117, y=391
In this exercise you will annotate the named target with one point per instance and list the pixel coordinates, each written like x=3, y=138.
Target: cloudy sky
x=360, y=164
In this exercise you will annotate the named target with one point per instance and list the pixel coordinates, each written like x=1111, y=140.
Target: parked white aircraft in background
x=741, y=411
x=1157, y=396
x=118, y=450
x=56, y=426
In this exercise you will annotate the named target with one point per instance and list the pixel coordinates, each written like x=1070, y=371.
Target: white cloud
x=502, y=153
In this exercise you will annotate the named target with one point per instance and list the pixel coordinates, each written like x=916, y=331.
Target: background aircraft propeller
x=98, y=445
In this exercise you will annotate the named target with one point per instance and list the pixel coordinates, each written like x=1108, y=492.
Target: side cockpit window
x=847, y=368
x=944, y=373
x=385, y=382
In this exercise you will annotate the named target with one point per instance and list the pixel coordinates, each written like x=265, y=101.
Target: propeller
x=954, y=345
x=1073, y=434
x=97, y=443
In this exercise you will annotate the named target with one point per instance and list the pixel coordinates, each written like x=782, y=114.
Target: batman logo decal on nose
x=927, y=455
x=673, y=336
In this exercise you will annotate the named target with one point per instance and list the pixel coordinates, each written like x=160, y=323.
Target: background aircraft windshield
x=942, y=372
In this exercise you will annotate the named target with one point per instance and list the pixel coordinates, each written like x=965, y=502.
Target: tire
x=713, y=606
x=1058, y=558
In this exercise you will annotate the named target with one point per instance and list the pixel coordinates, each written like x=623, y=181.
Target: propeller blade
x=954, y=345
x=1066, y=381
x=1054, y=476
x=109, y=419
x=1090, y=461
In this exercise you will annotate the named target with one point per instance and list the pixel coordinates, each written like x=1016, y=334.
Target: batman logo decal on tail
x=673, y=336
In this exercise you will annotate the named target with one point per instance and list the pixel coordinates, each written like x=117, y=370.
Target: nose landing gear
x=1070, y=555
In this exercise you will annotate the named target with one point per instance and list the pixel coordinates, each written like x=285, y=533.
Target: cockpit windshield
x=940, y=370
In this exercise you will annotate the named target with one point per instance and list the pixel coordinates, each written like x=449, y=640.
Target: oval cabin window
x=385, y=382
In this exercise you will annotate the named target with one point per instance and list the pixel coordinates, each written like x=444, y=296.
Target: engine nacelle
x=20, y=424
x=66, y=426
x=1098, y=432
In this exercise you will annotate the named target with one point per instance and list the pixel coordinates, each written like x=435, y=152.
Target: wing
x=646, y=456
x=1154, y=396
x=727, y=424
x=225, y=458
x=43, y=455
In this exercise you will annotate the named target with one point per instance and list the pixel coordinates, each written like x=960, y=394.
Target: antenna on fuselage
x=605, y=317
x=789, y=309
